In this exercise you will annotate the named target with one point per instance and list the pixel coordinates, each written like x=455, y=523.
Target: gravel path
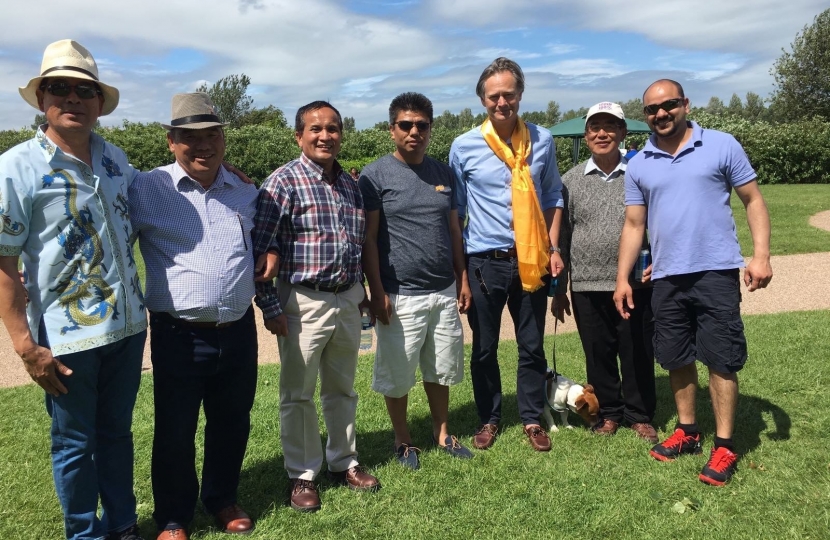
x=799, y=284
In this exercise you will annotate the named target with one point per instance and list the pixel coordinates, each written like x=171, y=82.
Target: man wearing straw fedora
x=81, y=338
x=194, y=220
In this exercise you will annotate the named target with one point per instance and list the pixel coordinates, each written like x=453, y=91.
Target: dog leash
x=552, y=374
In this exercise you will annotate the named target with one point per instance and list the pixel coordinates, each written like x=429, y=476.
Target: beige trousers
x=323, y=337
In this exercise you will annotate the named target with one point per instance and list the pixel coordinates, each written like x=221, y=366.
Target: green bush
x=794, y=153
x=11, y=138
x=144, y=144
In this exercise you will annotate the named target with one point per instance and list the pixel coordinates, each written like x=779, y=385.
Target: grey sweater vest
x=592, y=221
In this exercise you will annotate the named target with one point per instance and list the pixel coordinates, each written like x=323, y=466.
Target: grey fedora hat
x=194, y=110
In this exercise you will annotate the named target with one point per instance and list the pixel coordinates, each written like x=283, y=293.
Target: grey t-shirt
x=414, y=245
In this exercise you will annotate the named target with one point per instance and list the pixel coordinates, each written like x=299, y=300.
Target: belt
x=317, y=287
x=497, y=254
x=192, y=324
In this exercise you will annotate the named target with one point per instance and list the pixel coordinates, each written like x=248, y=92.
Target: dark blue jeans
x=92, y=439
x=195, y=367
x=494, y=284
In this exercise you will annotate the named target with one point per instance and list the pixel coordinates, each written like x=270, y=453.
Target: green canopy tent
x=575, y=129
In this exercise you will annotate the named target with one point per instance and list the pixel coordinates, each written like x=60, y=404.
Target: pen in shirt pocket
x=242, y=227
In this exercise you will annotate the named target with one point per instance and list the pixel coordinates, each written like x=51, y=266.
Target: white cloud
x=296, y=51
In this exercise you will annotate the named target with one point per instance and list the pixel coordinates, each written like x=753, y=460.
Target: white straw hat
x=68, y=58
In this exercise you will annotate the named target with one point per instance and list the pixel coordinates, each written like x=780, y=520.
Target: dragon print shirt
x=71, y=227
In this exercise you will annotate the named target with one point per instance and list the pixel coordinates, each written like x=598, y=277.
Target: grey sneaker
x=407, y=456
x=454, y=448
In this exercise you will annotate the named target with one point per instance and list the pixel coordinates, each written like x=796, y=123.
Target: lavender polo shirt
x=690, y=222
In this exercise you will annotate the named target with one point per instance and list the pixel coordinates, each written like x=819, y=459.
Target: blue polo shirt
x=484, y=194
x=690, y=222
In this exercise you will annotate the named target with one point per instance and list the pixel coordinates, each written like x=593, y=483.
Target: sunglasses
x=667, y=106
x=607, y=128
x=406, y=125
x=63, y=89
x=480, y=279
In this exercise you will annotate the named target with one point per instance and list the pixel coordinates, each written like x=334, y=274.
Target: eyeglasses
x=406, y=125
x=63, y=89
x=667, y=106
x=611, y=129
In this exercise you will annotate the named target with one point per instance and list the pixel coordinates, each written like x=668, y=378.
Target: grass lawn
x=587, y=486
x=790, y=208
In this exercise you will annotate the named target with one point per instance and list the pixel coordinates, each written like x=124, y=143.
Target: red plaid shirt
x=316, y=226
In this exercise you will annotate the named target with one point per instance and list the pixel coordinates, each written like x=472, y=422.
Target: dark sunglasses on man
x=668, y=105
x=406, y=125
x=84, y=90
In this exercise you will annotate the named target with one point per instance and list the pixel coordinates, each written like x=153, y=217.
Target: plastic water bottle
x=365, y=330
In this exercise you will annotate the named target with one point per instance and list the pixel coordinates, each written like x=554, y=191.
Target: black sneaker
x=454, y=448
x=131, y=533
x=676, y=445
x=723, y=463
x=407, y=456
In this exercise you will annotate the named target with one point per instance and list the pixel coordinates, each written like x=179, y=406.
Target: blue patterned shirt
x=196, y=243
x=71, y=227
x=317, y=227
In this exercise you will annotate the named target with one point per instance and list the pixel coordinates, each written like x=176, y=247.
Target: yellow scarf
x=529, y=228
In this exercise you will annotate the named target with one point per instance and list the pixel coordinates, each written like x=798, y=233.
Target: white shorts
x=424, y=331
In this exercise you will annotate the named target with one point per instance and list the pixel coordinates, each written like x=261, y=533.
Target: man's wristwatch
x=554, y=249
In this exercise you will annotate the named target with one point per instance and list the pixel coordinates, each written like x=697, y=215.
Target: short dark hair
x=676, y=84
x=410, y=101
x=497, y=66
x=299, y=120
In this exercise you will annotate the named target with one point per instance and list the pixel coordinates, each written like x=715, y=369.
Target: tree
x=40, y=119
x=715, y=106
x=268, y=116
x=802, y=77
x=735, y=107
x=230, y=97
x=633, y=109
x=754, y=109
x=570, y=115
x=383, y=126
x=552, y=114
x=348, y=123
x=466, y=119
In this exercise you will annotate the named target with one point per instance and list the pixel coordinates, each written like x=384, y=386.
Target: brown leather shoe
x=233, y=519
x=173, y=534
x=605, y=427
x=304, y=496
x=646, y=432
x=485, y=436
x=356, y=478
x=538, y=437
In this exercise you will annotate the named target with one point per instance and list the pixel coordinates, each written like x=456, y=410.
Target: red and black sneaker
x=676, y=445
x=723, y=463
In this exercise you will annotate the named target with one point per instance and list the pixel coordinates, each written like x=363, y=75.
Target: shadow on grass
x=264, y=485
x=749, y=419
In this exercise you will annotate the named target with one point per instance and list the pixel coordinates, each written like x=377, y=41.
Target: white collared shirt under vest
x=71, y=227
x=196, y=243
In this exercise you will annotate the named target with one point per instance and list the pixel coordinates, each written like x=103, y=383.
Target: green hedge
x=795, y=153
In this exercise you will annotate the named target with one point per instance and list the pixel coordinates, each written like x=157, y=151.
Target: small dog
x=563, y=395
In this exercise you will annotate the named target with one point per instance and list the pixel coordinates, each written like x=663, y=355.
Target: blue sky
x=359, y=54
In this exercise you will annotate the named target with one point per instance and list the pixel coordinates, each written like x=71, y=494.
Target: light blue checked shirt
x=196, y=243
x=69, y=225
